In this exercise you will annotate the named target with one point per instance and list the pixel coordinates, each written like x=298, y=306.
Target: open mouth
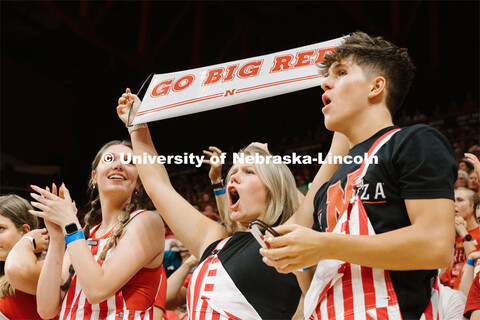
x=234, y=197
x=326, y=100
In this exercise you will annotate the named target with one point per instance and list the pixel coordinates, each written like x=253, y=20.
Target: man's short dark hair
x=377, y=57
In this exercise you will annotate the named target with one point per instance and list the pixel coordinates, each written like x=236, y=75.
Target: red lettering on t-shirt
x=338, y=200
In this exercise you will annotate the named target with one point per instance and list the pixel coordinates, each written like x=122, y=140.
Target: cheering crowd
x=399, y=239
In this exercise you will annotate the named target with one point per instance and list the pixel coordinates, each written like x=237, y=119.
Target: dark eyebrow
x=334, y=66
x=338, y=65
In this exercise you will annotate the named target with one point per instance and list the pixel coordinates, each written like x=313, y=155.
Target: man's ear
x=378, y=86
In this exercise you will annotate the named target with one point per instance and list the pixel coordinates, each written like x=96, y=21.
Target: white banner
x=191, y=91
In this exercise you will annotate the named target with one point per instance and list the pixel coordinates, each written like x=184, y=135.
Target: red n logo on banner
x=229, y=92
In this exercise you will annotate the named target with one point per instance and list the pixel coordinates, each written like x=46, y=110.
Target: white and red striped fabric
x=76, y=306
x=341, y=290
x=213, y=295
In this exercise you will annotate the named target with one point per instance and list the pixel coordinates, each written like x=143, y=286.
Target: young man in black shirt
x=408, y=195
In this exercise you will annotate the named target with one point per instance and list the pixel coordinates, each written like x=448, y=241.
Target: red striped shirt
x=133, y=301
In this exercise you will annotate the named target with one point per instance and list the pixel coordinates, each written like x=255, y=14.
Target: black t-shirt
x=273, y=295
x=416, y=163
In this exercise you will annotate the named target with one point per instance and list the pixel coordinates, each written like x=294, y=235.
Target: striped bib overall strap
x=342, y=290
x=212, y=294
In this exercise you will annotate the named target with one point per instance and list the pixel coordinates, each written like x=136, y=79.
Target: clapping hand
x=57, y=211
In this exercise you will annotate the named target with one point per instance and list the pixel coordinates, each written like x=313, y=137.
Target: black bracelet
x=218, y=185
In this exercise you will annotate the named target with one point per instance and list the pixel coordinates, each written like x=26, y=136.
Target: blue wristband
x=220, y=191
x=471, y=262
x=74, y=237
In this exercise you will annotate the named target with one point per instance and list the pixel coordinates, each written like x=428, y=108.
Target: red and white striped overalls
x=341, y=290
x=212, y=294
x=76, y=306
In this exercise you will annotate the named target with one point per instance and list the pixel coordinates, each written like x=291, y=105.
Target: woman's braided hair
x=94, y=213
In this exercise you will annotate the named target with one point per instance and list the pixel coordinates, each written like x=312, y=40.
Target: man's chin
x=329, y=125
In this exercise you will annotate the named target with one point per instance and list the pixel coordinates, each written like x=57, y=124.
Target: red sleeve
x=475, y=233
x=473, y=299
x=162, y=292
x=446, y=277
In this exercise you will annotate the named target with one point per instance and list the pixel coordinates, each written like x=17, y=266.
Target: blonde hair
x=282, y=196
x=470, y=193
x=16, y=209
x=94, y=214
